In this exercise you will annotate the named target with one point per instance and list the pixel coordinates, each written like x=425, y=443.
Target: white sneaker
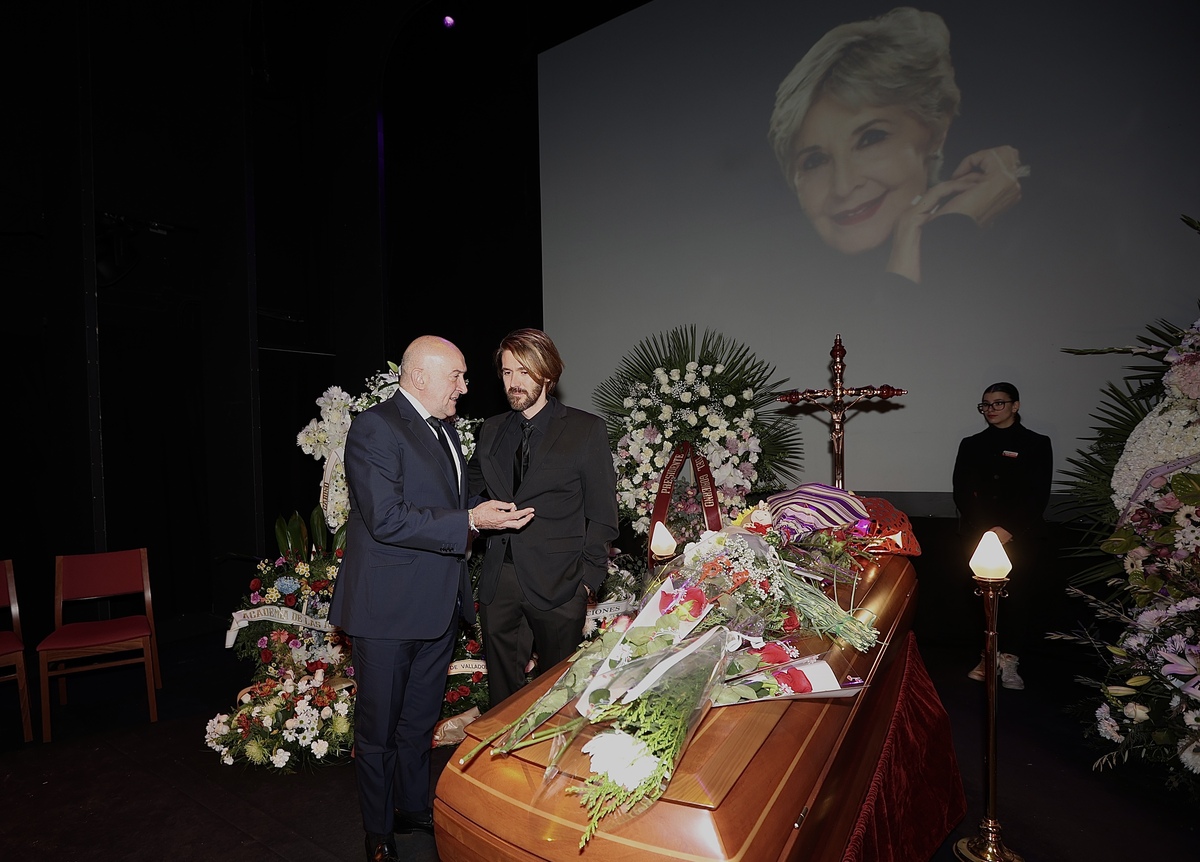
x=1009, y=678
x=979, y=672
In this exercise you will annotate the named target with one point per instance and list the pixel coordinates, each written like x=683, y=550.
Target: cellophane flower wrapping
x=638, y=727
x=754, y=592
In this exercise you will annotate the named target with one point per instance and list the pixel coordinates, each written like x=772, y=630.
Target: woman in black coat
x=1002, y=481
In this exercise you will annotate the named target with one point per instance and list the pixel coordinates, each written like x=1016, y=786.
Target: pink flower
x=1168, y=502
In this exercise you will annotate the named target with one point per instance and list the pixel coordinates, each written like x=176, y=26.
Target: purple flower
x=294, y=643
x=255, y=598
x=262, y=641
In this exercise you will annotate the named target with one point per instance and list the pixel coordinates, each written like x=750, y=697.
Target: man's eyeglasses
x=986, y=406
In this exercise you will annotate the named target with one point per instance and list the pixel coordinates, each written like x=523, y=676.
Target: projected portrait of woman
x=859, y=128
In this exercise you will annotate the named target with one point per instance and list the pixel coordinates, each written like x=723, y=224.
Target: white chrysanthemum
x=1189, y=754
x=1169, y=432
x=625, y=758
x=280, y=758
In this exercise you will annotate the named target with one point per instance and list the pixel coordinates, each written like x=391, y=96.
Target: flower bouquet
x=796, y=649
x=1139, y=487
x=620, y=754
x=713, y=395
x=806, y=678
x=325, y=438
x=287, y=720
x=757, y=594
x=299, y=708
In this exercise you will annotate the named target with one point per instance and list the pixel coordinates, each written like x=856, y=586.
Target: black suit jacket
x=406, y=537
x=572, y=486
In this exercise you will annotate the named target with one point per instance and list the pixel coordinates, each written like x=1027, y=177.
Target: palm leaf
x=1088, y=479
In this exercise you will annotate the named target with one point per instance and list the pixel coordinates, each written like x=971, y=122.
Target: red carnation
x=314, y=666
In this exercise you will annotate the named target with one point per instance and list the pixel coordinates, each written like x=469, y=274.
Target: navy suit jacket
x=572, y=485
x=406, y=537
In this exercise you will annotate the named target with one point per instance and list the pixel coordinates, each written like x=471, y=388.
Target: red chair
x=12, y=648
x=80, y=577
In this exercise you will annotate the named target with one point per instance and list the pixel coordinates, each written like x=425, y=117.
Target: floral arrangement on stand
x=712, y=394
x=1147, y=631
x=726, y=607
x=325, y=438
x=299, y=708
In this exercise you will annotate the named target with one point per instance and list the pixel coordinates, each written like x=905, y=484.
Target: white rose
x=729, y=401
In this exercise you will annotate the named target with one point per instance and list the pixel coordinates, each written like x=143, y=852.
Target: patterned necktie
x=521, y=458
x=440, y=430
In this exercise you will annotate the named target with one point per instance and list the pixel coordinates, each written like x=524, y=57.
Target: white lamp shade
x=662, y=543
x=989, y=560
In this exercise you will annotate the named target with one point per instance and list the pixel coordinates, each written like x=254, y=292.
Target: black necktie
x=440, y=431
x=521, y=458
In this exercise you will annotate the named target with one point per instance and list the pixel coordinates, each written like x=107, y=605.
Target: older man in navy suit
x=403, y=582
x=538, y=580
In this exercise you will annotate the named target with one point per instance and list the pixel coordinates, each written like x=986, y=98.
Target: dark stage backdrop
x=211, y=213
x=663, y=203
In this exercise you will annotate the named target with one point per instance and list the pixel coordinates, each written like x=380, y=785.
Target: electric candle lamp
x=662, y=543
x=989, y=560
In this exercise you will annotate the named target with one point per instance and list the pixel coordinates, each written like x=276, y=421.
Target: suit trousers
x=401, y=684
x=510, y=622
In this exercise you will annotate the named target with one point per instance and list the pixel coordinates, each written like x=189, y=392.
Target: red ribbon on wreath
x=705, y=488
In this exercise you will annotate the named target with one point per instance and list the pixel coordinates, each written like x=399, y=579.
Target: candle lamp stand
x=987, y=846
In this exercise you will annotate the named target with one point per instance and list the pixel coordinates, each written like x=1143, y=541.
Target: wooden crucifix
x=838, y=407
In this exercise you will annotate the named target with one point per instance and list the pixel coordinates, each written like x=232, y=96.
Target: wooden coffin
x=766, y=780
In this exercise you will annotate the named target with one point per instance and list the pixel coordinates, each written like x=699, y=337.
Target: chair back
x=101, y=575
x=8, y=598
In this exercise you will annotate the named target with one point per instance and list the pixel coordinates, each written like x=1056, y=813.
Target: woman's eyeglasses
x=986, y=406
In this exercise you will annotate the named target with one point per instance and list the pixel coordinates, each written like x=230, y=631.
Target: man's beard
x=519, y=399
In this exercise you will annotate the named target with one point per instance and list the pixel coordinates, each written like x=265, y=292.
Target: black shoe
x=407, y=822
x=381, y=848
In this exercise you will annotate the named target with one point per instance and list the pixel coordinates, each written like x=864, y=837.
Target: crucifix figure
x=837, y=409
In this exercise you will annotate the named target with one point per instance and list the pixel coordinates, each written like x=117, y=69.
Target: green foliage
x=1089, y=478
x=781, y=444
